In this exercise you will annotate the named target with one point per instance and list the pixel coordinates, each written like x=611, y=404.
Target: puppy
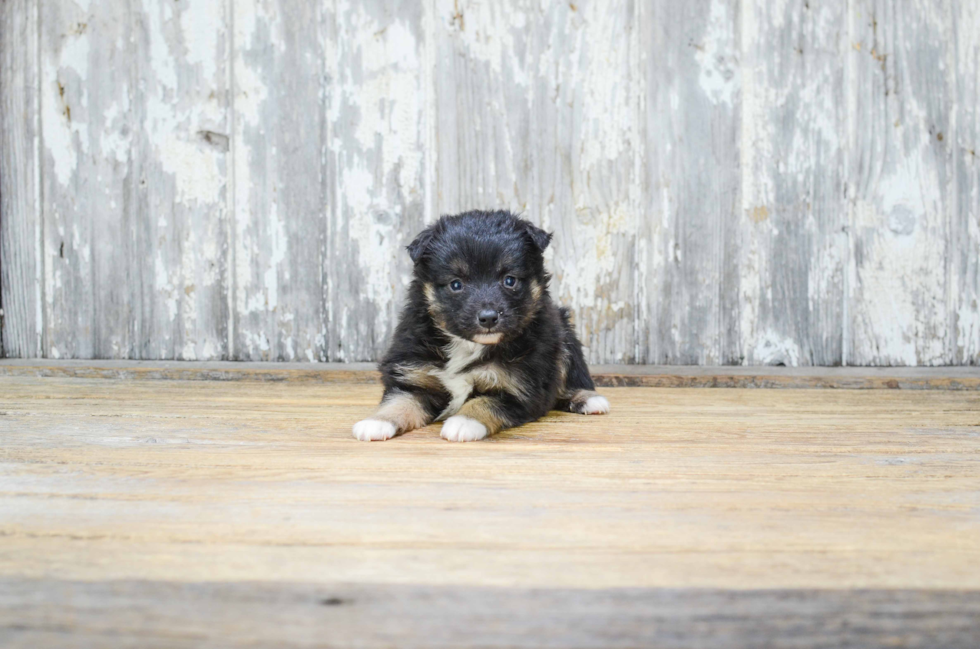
x=480, y=345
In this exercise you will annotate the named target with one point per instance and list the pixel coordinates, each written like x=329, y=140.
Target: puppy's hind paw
x=589, y=402
x=374, y=430
x=463, y=429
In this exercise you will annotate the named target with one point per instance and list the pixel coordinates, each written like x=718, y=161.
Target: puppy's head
x=483, y=274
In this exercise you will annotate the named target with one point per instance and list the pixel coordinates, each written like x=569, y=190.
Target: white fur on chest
x=458, y=383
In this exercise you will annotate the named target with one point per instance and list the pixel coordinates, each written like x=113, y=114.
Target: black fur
x=538, y=348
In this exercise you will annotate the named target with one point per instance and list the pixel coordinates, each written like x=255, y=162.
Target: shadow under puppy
x=480, y=343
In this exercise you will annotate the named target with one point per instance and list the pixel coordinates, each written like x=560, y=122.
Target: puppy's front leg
x=398, y=413
x=483, y=416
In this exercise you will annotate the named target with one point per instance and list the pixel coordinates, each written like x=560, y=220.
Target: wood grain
x=20, y=218
x=142, y=614
x=964, y=204
x=174, y=513
x=378, y=154
x=218, y=481
x=760, y=182
x=652, y=376
x=791, y=237
x=180, y=229
x=280, y=201
x=134, y=122
x=688, y=291
x=536, y=111
x=900, y=168
x=485, y=58
x=92, y=186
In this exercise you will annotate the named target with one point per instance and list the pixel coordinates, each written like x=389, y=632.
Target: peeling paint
x=741, y=182
x=714, y=55
x=773, y=349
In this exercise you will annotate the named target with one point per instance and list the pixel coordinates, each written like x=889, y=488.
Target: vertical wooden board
x=20, y=227
x=688, y=312
x=181, y=107
x=792, y=241
x=90, y=180
x=899, y=172
x=280, y=209
x=483, y=81
x=377, y=163
x=964, y=236
x=583, y=139
x=537, y=113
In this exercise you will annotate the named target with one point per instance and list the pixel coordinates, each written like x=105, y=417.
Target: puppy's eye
x=456, y=285
x=510, y=281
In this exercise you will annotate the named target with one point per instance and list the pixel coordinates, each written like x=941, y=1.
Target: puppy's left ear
x=418, y=248
x=540, y=238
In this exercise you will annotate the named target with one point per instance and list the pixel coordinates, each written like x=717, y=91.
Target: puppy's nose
x=488, y=318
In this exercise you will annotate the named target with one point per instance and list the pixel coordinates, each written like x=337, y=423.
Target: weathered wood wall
x=729, y=181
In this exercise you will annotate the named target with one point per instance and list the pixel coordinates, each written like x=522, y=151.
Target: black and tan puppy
x=480, y=344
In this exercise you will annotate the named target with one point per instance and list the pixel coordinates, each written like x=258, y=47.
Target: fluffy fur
x=480, y=344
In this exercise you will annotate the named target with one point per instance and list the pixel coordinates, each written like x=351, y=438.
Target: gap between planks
x=654, y=376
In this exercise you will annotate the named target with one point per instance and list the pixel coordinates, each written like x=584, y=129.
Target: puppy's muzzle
x=488, y=319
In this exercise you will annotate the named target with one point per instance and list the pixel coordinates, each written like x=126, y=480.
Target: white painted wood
x=181, y=235
x=376, y=165
x=91, y=180
x=687, y=243
x=728, y=182
x=536, y=114
x=964, y=206
x=280, y=225
x=900, y=171
x=134, y=123
x=20, y=218
x=791, y=240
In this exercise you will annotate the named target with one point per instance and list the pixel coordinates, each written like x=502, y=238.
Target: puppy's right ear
x=418, y=248
x=540, y=238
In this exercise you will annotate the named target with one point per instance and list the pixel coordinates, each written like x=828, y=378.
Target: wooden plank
x=280, y=225
x=485, y=58
x=50, y=612
x=964, y=206
x=584, y=159
x=766, y=377
x=257, y=481
x=134, y=113
x=377, y=161
x=20, y=227
x=278, y=185
x=198, y=371
x=687, y=243
x=655, y=376
x=791, y=240
x=536, y=113
x=91, y=184
x=179, y=222
x=900, y=170
x=691, y=159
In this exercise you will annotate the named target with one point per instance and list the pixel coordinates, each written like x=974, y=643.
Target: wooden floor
x=205, y=513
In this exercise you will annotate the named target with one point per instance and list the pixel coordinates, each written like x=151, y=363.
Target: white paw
x=374, y=430
x=463, y=429
x=597, y=405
